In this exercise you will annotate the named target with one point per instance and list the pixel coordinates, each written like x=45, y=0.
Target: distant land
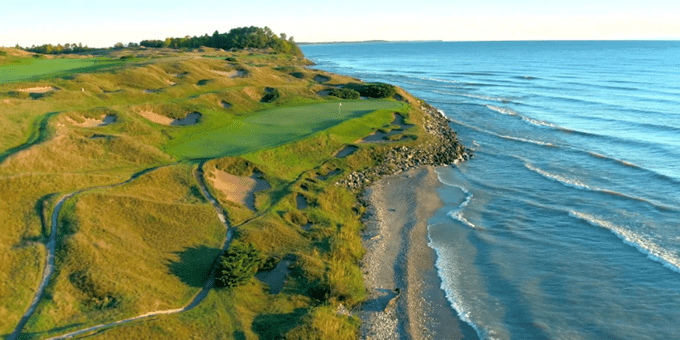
x=364, y=42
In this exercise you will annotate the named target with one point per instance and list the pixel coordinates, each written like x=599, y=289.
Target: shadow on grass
x=38, y=135
x=194, y=265
x=275, y=326
x=37, y=335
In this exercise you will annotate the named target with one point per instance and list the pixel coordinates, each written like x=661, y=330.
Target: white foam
x=539, y=122
x=642, y=243
x=502, y=110
x=564, y=180
x=446, y=271
x=439, y=80
x=525, y=140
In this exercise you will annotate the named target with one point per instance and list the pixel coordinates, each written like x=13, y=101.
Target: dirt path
x=51, y=245
x=198, y=298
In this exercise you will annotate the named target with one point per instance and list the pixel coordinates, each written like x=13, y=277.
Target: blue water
x=566, y=223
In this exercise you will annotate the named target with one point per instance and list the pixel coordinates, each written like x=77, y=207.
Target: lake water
x=566, y=223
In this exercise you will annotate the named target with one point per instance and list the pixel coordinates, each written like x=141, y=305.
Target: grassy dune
x=125, y=250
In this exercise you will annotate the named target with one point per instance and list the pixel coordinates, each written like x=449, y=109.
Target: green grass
x=266, y=129
x=148, y=244
x=35, y=69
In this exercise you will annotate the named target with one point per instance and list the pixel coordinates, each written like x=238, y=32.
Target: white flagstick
x=339, y=108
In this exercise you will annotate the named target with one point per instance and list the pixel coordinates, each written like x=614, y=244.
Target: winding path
x=51, y=248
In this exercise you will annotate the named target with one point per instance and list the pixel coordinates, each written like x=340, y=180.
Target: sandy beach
x=404, y=289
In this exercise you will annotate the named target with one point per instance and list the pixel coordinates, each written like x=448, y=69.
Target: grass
x=265, y=129
x=149, y=244
x=31, y=69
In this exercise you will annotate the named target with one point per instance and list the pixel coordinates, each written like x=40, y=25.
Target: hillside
x=125, y=151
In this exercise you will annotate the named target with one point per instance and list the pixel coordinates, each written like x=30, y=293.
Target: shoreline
x=404, y=293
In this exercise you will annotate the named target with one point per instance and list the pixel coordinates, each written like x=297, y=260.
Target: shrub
x=230, y=59
x=344, y=93
x=378, y=91
x=3, y=53
x=298, y=75
x=127, y=56
x=238, y=265
x=271, y=95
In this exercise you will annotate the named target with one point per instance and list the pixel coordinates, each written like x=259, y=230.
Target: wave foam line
x=444, y=270
x=642, y=244
x=580, y=185
x=457, y=214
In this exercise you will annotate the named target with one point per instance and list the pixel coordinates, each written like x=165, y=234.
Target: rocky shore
x=400, y=195
x=444, y=150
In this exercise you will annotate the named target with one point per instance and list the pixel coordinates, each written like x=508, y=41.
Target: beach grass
x=124, y=250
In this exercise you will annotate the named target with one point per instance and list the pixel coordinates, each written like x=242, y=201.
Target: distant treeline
x=240, y=38
x=58, y=49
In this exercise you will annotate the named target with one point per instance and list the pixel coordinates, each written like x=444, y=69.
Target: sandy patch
x=6, y=101
x=43, y=89
x=231, y=74
x=156, y=118
x=104, y=121
x=276, y=278
x=323, y=93
x=190, y=119
x=382, y=137
x=346, y=151
x=252, y=93
x=225, y=104
x=301, y=202
x=239, y=189
x=321, y=79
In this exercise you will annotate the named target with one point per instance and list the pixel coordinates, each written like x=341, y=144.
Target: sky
x=102, y=24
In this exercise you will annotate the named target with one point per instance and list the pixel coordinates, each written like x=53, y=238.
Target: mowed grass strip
x=268, y=129
x=34, y=69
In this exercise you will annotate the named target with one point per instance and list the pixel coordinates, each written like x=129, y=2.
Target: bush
x=378, y=91
x=271, y=95
x=344, y=93
x=238, y=265
x=3, y=53
x=127, y=56
x=230, y=59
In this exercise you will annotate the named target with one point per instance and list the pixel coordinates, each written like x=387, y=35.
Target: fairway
x=34, y=69
x=269, y=128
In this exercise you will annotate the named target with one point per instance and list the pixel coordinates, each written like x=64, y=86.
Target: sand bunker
x=104, y=121
x=321, y=79
x=239, y=189
x=43, y=89
x=276, y=278
x=190, y=119
x=348, y=150
x=301, y=202
x=232, y=74
x=382, y=137
x=225, y=104
x=330, y=174
x=323, y=93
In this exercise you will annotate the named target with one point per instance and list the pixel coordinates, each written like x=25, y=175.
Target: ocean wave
x=503, y=110
x=642, y=243
x=574, y=183
x=445, y=269
x=477, y=96
x=439, y=80
x=526, y=140
x=509, y=112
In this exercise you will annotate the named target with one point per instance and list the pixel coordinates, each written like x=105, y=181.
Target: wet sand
x=405, y=300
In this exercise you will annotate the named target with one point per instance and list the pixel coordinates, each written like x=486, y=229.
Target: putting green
x=269, y=128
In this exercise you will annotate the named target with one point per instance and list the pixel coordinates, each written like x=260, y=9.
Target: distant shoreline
x=366, y=42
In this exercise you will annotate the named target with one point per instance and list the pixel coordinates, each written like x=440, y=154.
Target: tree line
x=239, y=38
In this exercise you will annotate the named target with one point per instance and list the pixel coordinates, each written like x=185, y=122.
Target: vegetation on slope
x=150, y=244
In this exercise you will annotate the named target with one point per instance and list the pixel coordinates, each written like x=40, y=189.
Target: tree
x=238, y=265
x=118, y=46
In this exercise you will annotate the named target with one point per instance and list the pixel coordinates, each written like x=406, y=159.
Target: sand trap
x=330, y=174
x=239, y=189
x=231, y=74
x=276, y=278
x=225, y=104
x=323, y=93
x=6, y=101
x=104, y=121
x=301, y=202
x=382, y=137
x=348, y=150
x=204, y=82
x=151, y=91
x=190, y=119
x=321, y=79
x=43, y=89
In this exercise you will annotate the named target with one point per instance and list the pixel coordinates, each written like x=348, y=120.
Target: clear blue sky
x=99, y=23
